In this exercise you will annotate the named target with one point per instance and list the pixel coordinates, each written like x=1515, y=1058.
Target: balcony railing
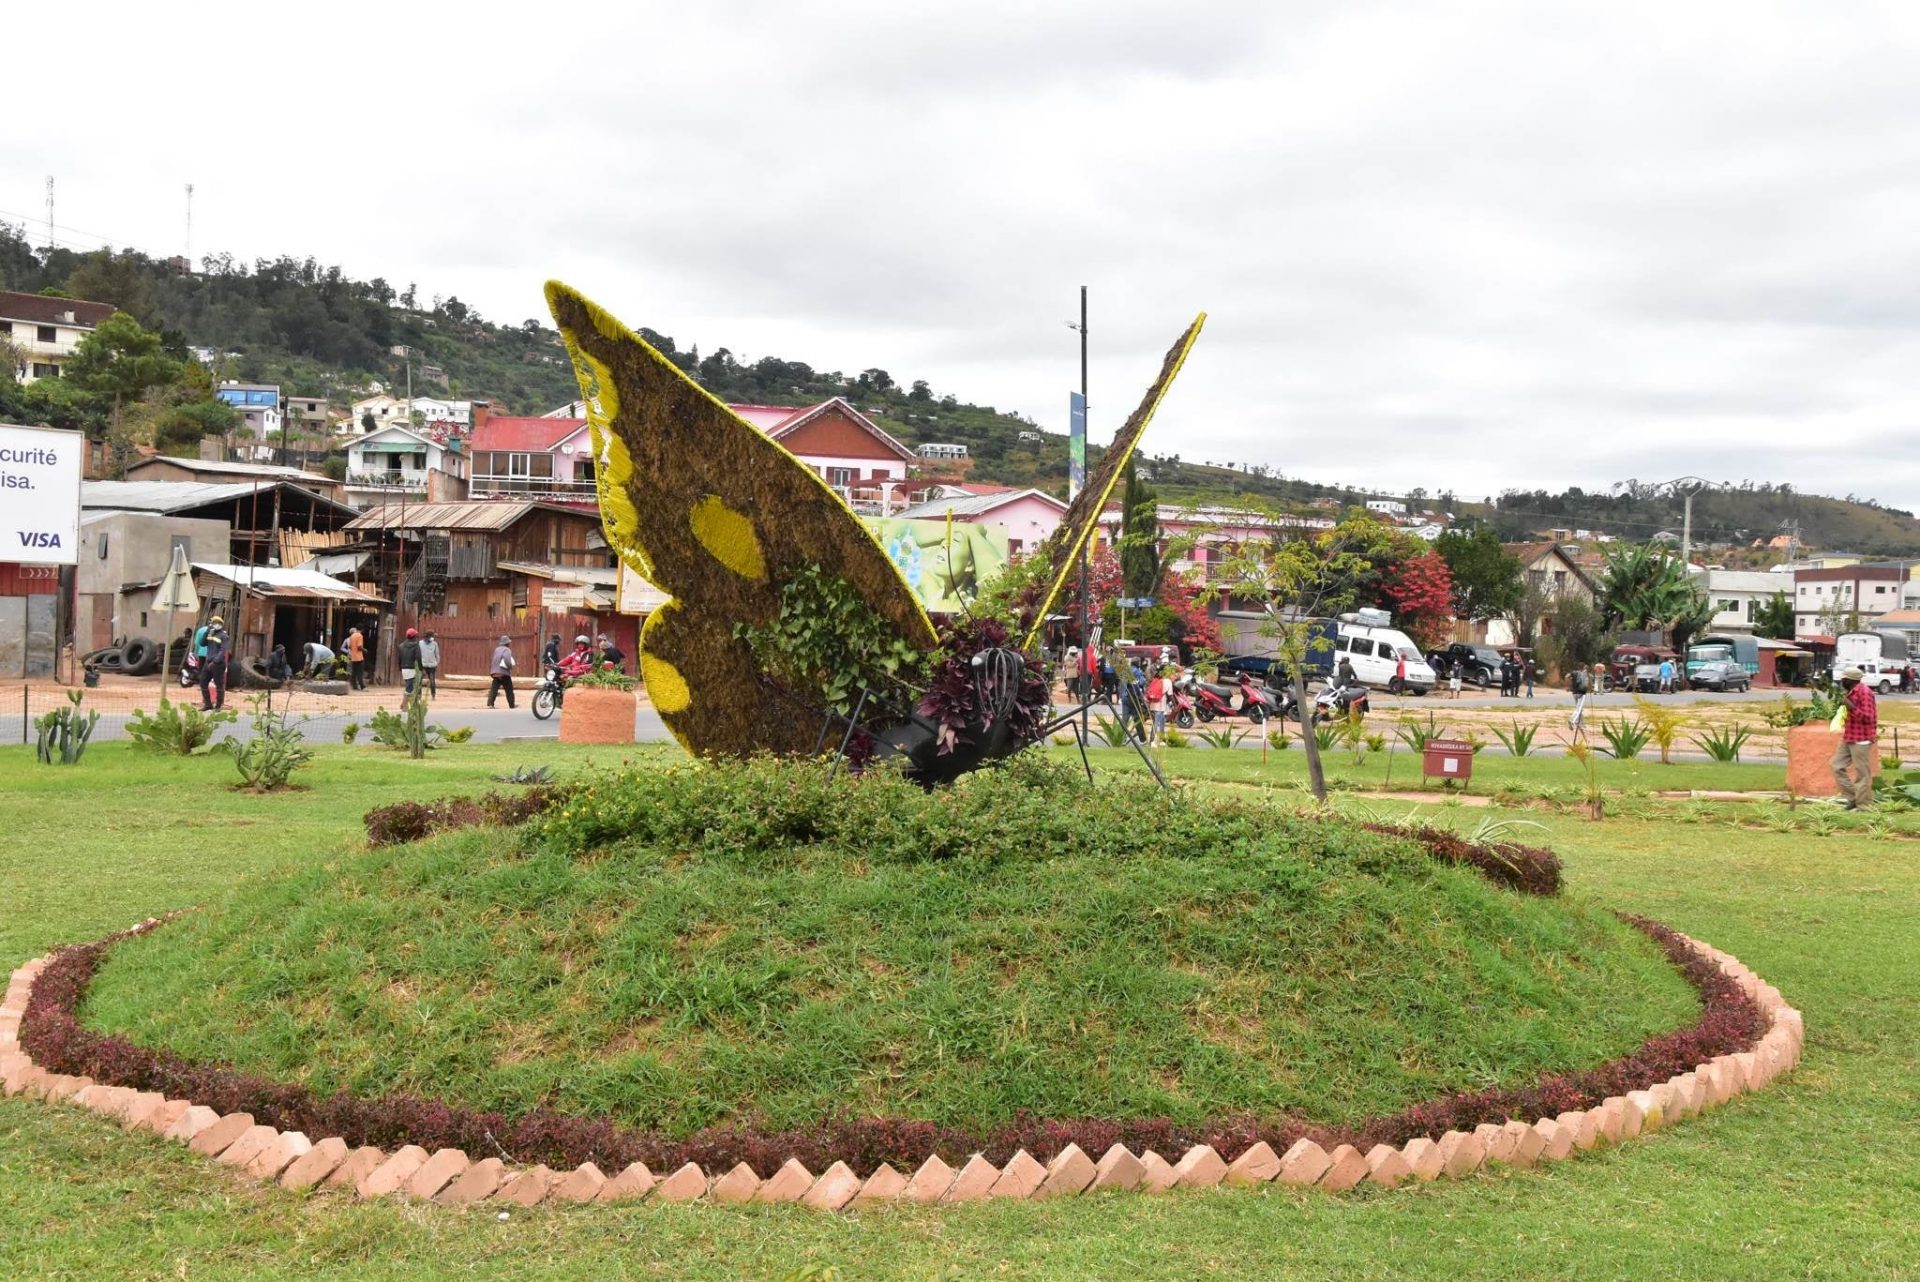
x=533, y=487
x=387, y=480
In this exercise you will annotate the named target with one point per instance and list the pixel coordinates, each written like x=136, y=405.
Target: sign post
x=175, y=593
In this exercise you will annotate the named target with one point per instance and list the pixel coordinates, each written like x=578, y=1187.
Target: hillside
x=316, y=331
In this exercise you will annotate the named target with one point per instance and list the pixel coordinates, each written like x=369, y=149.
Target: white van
x=1375, y=651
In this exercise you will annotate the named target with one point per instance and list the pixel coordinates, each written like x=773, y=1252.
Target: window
x=841, y=476
x=1362, y=646
x=48, y=334
x=45, y=371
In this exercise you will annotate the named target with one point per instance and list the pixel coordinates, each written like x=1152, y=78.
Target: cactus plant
x=63, y=734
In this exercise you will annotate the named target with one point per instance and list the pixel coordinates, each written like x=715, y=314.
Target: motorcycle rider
x=572, y=665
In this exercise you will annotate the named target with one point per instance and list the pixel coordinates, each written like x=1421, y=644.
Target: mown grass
x=1133, y=957
x=1813, y=1178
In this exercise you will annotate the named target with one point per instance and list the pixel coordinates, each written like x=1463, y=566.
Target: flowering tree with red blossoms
x=1420, y=589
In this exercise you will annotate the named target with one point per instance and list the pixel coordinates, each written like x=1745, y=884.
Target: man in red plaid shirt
x=1855, y=752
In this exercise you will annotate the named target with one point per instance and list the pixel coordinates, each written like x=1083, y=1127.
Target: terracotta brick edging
x=451, y=1178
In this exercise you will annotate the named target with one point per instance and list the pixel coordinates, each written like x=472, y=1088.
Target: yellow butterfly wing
x=708, y=509
x=1063, y=546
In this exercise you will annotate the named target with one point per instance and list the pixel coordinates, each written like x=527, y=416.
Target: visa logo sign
x=39, y=539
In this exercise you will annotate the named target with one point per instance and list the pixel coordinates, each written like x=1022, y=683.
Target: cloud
x=1458, y=247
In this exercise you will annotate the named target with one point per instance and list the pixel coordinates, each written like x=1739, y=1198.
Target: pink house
x=1214, y=530
x=1029, y=516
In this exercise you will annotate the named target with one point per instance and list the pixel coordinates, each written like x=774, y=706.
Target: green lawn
x=1813, y=1178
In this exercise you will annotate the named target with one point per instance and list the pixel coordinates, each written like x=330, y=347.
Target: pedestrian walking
x=1453, y=678
x=1581, y=686
x=1400, y=673
x=1666, y=676
x=1526, y=671
x=410, y=661
x=1860, y=727
x=1070, y=665
x=502, y=671
x=430, y=662
x=357, y=657
x=213, y=666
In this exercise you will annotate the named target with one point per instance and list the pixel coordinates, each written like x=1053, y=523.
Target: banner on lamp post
x=1076, y=444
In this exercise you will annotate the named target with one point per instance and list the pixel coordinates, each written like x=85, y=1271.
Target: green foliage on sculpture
x=827, y=644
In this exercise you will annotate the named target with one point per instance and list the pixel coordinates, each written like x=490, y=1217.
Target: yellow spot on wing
x=728, y=536
x=665, y=686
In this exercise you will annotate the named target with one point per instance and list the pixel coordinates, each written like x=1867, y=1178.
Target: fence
x=466, y=644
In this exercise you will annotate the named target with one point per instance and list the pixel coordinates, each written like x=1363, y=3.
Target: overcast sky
x=1451, y=245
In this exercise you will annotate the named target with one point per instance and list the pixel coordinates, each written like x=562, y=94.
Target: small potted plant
x=599, y=708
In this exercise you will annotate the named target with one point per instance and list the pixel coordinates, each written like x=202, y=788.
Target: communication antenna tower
x=188, y=260
x=49, y=213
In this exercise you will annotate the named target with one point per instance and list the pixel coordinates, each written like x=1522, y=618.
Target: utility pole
x=188, y=259
x=49, y=215
x=1086, y=549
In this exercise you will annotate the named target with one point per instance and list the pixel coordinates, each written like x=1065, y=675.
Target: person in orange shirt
x=357, y=656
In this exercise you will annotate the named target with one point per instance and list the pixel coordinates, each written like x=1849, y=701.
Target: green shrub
x=1519, y=741
x=176, y=727
x=1724, y=744
x=409, y=730
x=1325, y=733
x=604, y=679
x=266, y=762
x=1624, y=738
x=1225, y=737
x=1177, y=738
x=1278, y=740
x=1417, y=736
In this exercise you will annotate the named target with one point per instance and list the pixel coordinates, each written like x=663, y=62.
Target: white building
x=942, y=451
x=42, y=332
x=1739, y=594
x=459, y=413
x=395, y=461
x=1387, y=507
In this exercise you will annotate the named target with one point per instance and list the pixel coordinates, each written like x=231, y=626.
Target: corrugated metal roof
x=278, y=581
x=969, y=505
x=220, y=467
x=478, y=514
x=174, y=496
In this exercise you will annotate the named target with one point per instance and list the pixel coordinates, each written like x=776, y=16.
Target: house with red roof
x=551, y=457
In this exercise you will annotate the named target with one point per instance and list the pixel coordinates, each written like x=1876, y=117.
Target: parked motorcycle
x=1340, y=701
x=1210, y=701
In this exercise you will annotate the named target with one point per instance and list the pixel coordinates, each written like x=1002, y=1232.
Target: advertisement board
x=946, y=564
x=39, y=495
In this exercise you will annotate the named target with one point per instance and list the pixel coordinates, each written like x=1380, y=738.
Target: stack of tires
x=136, y=658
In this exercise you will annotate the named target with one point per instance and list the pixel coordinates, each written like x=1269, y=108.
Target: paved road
x=502, y=725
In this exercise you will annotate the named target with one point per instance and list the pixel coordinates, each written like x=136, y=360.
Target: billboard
x=945, y=563
x=40, y=495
